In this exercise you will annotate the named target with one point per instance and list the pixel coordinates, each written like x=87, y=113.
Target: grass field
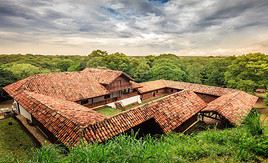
x=14, y=142
x=108, y=111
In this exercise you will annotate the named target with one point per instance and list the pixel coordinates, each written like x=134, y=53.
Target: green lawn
x=14, y=142
x=108, y=111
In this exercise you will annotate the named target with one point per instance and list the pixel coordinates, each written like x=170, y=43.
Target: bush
x=48, y=154
x=253, y=123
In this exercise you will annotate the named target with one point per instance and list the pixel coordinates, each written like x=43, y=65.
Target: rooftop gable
x=105, y=76
x=72, y=86
x=234, y=106
x=62, y=118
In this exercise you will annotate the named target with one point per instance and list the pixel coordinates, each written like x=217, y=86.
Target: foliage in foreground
x=245, y=143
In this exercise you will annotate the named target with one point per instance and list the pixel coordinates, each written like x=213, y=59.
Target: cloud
x=134, y=27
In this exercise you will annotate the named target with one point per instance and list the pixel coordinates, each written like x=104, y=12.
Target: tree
x=213, y=72
x=96, y=59
x=64, y=64
x=150, y=60
x=78, y=66
x=140, y=69
x=168, y=71
x=194, y=73
x=118, y=61
x=6, y=78
x=248, y=71
x=98, y=53
x=23, y=70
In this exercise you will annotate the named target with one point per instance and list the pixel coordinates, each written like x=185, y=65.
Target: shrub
x=47, y=154
x=253, y=123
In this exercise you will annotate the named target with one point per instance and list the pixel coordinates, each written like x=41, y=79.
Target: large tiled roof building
x=63, y=105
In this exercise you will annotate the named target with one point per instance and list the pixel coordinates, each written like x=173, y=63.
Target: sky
x=134, y=27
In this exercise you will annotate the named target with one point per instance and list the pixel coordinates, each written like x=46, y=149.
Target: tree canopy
x=246, y=72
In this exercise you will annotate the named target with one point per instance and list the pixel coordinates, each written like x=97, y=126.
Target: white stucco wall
x=24, y=113
x=15, y=107
x=127, y=101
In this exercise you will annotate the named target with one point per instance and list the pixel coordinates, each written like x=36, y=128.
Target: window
x=83, y=102
x=107, y=96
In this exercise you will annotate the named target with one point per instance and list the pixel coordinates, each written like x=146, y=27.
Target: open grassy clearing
x=14, y=142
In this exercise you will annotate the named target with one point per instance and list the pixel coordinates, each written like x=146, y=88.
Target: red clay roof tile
x=234, y=106
x=45, y=97
x=72, y=86
x=198, y=88
x=166, y=111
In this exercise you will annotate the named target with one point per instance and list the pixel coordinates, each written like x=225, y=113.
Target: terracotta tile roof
x=12, y=89
x=62, y=118
x=152, y=85
x=234, y=106
x=169, y=112
x=48, y=97
x=198, y=88
x=105, y=76
x=135, y=85
x=70, y=122
x=72, y=86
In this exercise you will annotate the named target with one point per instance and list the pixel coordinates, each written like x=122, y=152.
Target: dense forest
x=246, y=72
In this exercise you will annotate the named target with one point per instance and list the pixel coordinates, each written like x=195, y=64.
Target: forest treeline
x=246, y=72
